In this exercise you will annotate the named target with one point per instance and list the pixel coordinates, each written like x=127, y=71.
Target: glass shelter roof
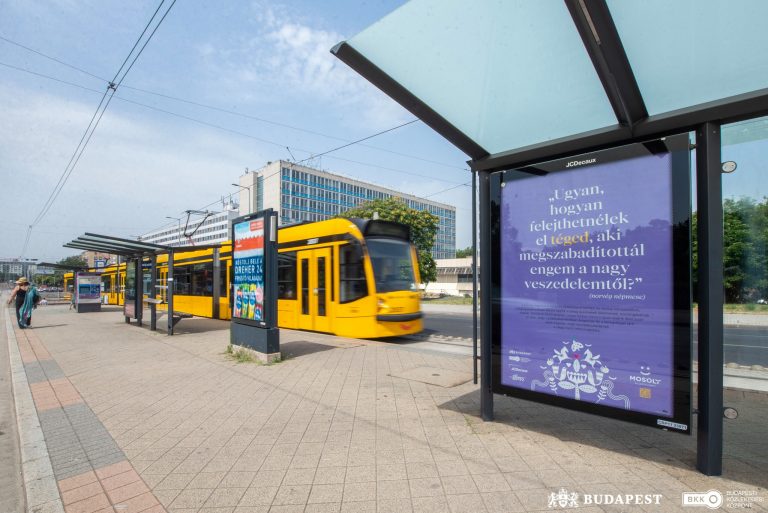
x=509, y=81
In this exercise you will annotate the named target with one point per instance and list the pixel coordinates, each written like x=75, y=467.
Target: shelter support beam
x=169, y=292
x=603, y=44
x=153, y=293
x=709, y=453
x=474, y=277
x=486, y=385
x=216, y=283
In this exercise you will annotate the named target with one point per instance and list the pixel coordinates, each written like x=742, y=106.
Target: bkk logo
x=711, y=499
x=566, y=499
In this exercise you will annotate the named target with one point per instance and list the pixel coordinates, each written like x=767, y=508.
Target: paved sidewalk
x=137, y=421
x=11, y=483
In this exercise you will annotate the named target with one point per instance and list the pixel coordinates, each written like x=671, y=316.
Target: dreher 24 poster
x=249, y=270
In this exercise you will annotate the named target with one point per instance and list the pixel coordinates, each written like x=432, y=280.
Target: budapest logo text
x=566, y=499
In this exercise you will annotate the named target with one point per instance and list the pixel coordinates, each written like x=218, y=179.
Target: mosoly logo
x=711, y=499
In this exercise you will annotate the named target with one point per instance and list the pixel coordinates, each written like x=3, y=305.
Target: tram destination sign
x=591, y=280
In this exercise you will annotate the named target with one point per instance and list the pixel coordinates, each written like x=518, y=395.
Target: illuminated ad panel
x=591, y=274
x=88, y=288
x=249, y=270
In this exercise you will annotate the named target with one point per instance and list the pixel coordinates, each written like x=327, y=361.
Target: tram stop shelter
x=517, y=83
x=133, y=253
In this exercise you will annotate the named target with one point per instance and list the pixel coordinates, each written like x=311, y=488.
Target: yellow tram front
x=354, y=278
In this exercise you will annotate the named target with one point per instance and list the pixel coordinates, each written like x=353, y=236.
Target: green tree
x=73, y=262
x=745, y=250
x=464, y=253
x=422, y=223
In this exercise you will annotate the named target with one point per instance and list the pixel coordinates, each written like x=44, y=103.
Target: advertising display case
x=254, y=284
x=87, y=292
x=590, y=274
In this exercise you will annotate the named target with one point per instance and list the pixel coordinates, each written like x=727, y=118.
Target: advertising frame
x=680, y=318
x=87, y=291
x=93, y=281
x=269, y=302
x=130, y=289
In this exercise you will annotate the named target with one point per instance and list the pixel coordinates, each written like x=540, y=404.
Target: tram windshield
x=392, y=264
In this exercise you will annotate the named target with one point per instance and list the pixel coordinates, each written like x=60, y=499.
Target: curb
x=41, y=490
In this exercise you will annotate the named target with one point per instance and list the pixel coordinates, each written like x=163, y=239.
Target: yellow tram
x=350, y=277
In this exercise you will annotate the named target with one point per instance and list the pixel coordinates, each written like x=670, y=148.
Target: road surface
x=452, y=331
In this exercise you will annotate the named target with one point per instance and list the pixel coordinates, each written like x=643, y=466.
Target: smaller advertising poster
x=249, y=270
x=88, y=288
x=129, y=308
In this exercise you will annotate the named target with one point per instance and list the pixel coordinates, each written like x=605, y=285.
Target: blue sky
x=267, y=62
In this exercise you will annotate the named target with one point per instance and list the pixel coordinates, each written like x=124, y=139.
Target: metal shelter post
x=474, y=276
x=139, y=289
x=486, y=387
x=709, y=450
x=169, y=292
x=153, y=293
x=216, y=293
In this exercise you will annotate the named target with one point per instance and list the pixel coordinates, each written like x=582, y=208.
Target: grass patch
x=448, y=300
x=244, y=356
x=742, y=308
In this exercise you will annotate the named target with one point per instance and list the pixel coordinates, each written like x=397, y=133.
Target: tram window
x=193, y=280
x=286, y=275
x=223, y=291
x=321, y=286
x=106, y=283
x=392, y=264
x=352, y=273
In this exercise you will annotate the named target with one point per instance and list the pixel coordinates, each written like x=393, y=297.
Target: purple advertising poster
x=587, y=284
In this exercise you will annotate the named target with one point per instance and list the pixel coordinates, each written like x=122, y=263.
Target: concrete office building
x=454, y=277
x=12, y=269
x=301, y=193
x=212, y=229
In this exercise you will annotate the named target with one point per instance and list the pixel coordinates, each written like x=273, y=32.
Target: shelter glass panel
x=745, y=281
x=689, y=52
x=519, y=67
x=745, y=252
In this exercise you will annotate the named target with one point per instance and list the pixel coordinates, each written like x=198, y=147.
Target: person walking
x=26, y=300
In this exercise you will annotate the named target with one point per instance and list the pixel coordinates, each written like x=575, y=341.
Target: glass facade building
x=299, y=193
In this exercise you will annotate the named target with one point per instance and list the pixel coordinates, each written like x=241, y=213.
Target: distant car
x=762, y=302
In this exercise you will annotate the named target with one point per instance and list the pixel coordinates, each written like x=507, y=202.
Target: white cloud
x=293, y=58
x=134, y=172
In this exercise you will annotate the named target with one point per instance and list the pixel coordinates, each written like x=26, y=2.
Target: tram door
x=314, y=277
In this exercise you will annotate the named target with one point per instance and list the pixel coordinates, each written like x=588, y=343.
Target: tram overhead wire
x=94, y=122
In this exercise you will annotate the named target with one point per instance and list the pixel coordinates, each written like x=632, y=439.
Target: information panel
x=249, y=270
x=591, y=280
x=88, y=288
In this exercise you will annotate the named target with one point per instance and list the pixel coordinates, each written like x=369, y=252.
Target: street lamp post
x=249, y=195
x=178, y=228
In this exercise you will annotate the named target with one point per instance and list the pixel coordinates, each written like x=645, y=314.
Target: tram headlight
x=382, y=305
